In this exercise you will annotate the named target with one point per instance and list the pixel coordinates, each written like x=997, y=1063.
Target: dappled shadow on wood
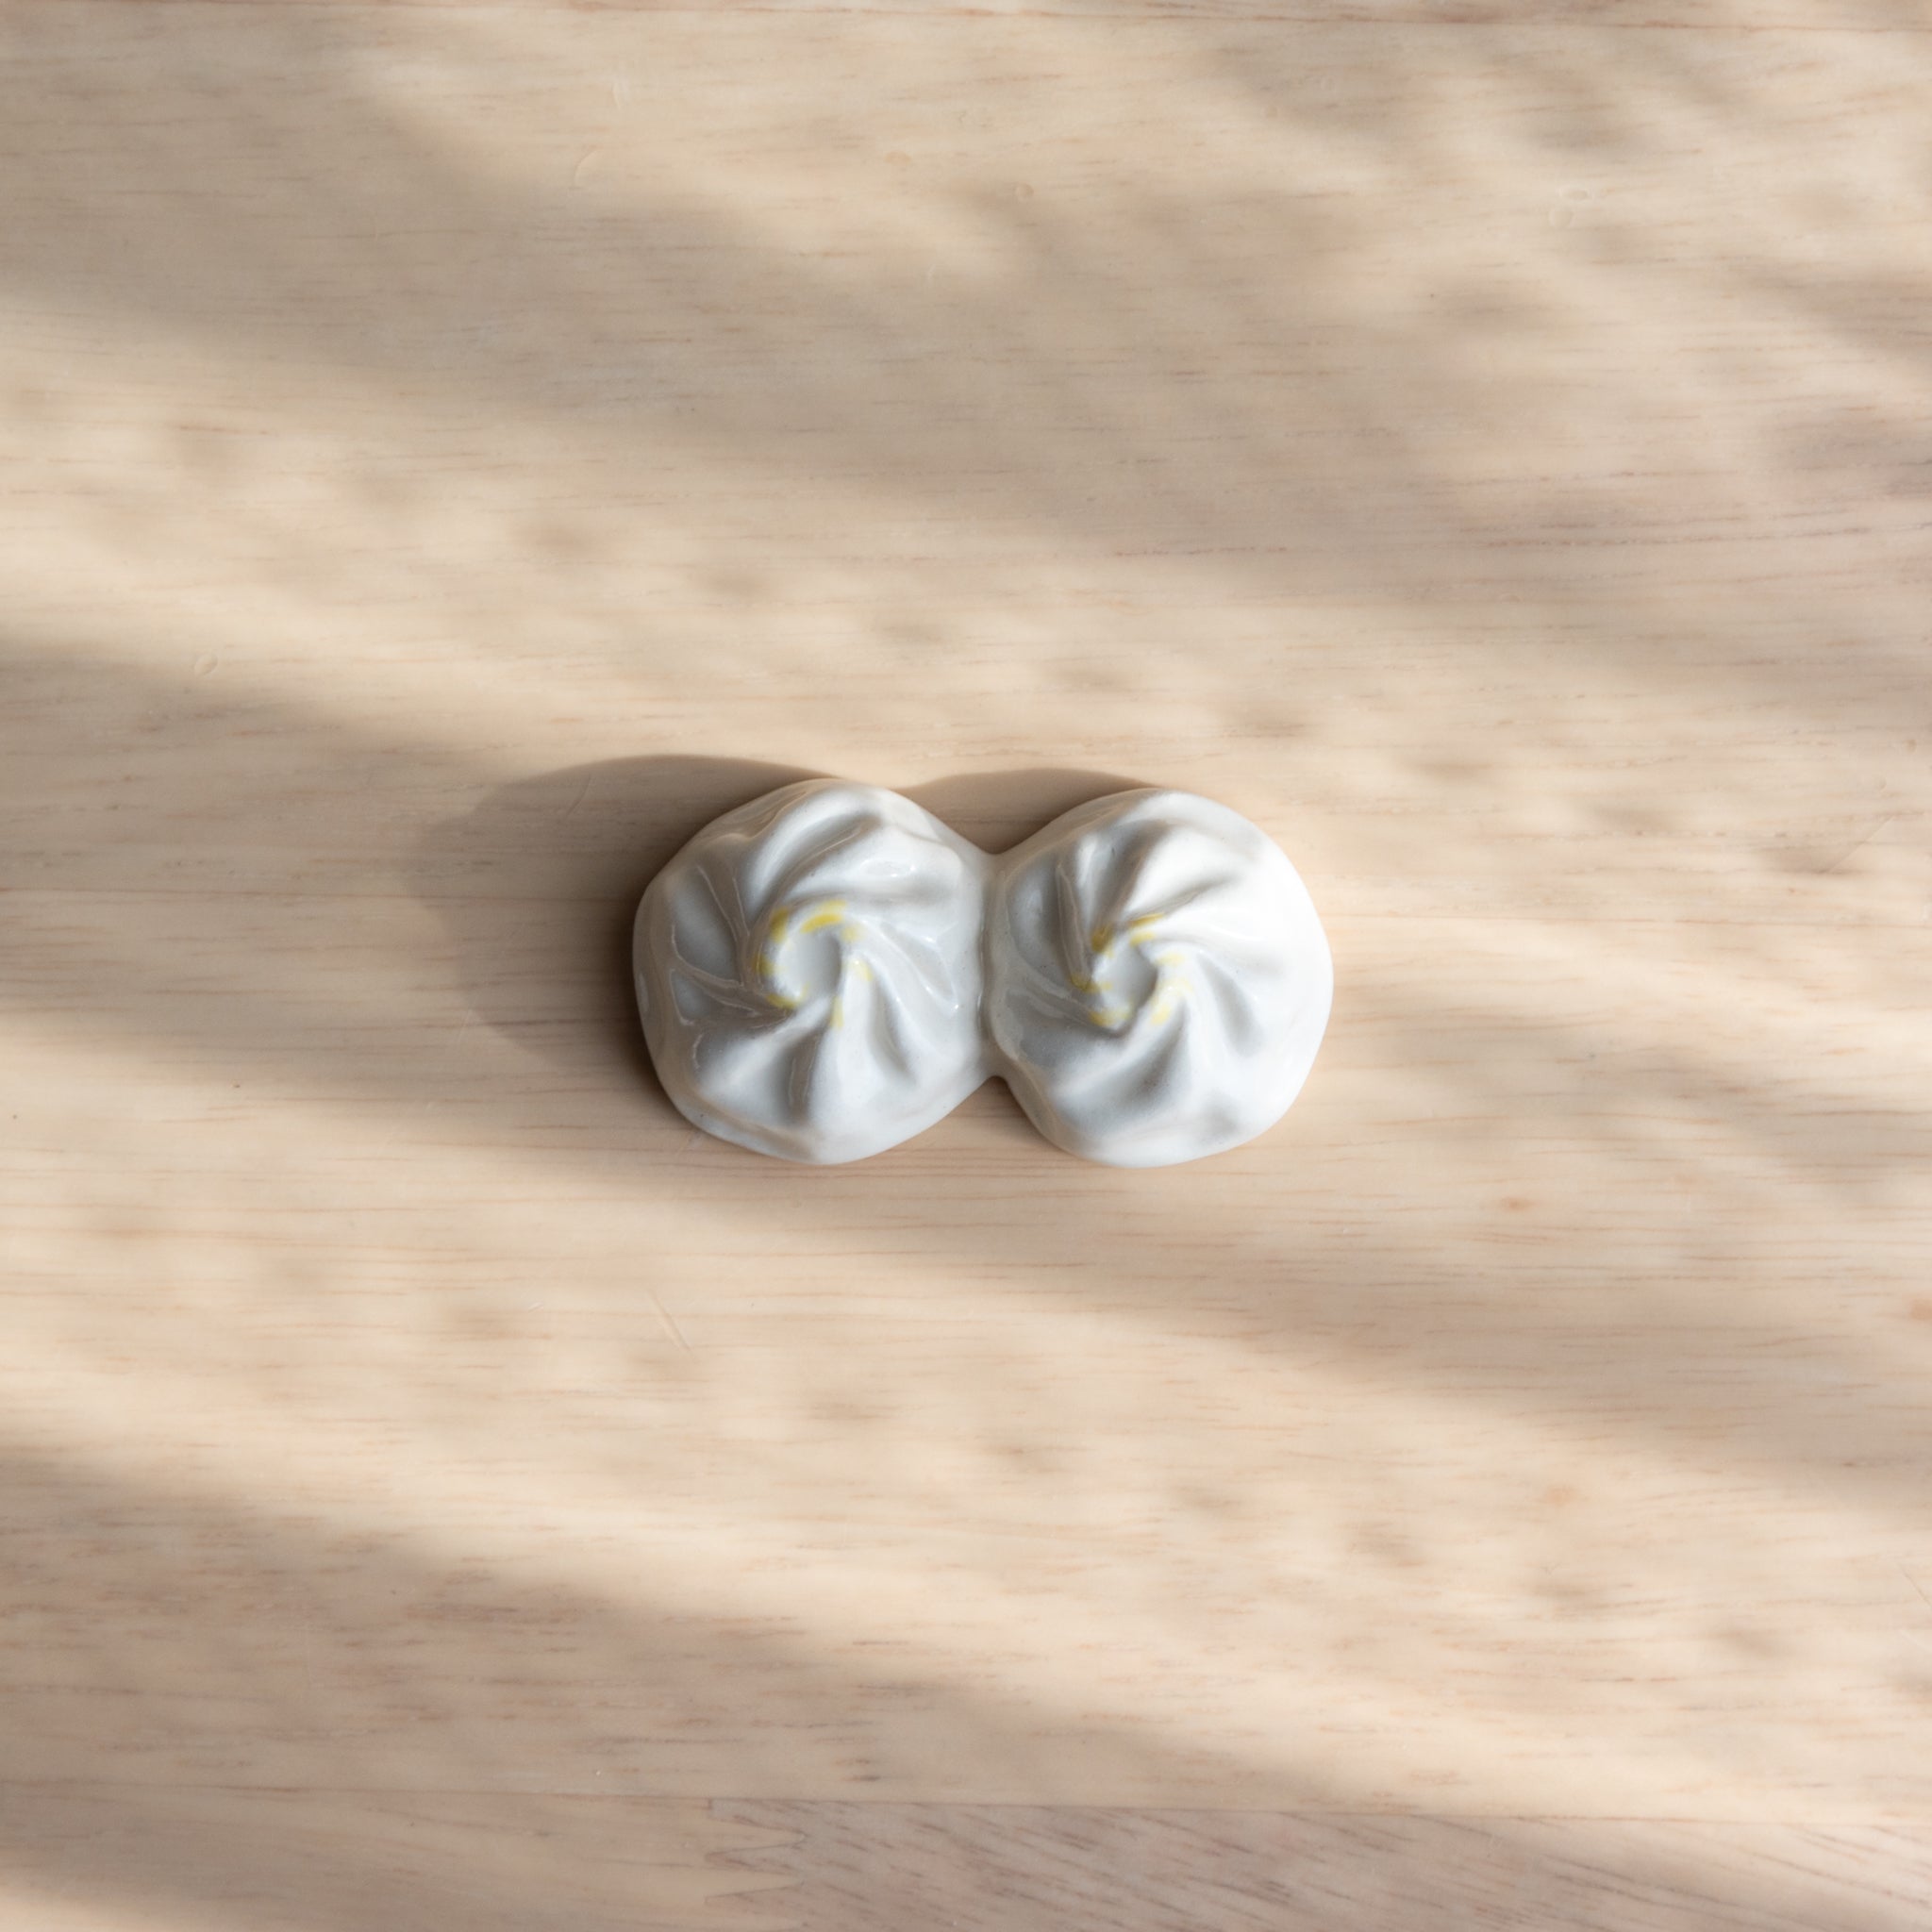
x=434, y=1471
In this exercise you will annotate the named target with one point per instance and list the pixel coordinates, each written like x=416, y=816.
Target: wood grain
x=1018, y=1868
x=451, y=454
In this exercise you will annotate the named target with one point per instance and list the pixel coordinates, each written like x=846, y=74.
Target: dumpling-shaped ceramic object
x=808, y=973
x=829, y=970
x=1158, y=979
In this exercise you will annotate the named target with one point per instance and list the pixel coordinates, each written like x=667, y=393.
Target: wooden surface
x=449, y=454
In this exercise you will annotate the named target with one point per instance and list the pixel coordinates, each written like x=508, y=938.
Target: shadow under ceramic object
x=537, y=886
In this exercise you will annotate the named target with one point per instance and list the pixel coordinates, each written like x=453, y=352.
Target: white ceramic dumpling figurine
x=808, y=969
x=829, y=970
x=1157, y=979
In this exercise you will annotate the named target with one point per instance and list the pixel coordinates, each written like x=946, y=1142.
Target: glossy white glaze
x=1158, y=980
x=829, y=970
x=808, y=969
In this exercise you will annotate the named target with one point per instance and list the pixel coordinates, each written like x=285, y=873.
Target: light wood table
x=449, y=454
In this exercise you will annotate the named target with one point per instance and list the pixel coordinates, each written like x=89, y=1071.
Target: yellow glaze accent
x=779, y=928
x=831, y=913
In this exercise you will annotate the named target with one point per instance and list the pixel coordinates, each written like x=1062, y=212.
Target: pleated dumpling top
x=1157, y=979
x=808, y=969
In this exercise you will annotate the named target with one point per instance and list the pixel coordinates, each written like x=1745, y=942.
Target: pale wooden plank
x=100, y=1859
x=1015, y=1869
x=450, y=455
x=133, y=1858
x=1642, y=16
